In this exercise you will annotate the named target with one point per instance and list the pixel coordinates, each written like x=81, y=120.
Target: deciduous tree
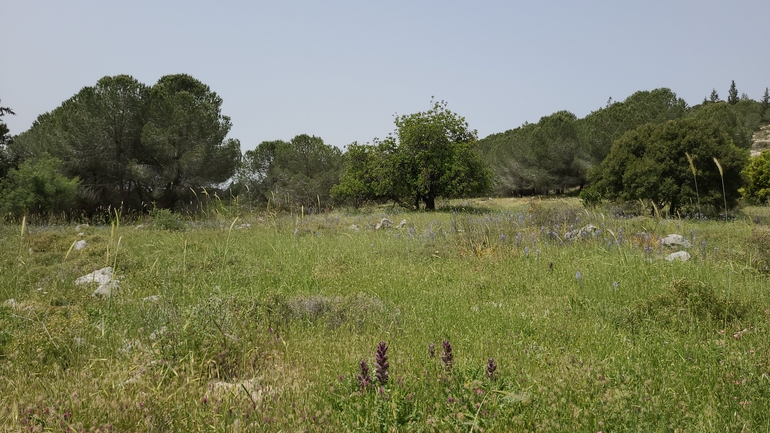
x=431, y=154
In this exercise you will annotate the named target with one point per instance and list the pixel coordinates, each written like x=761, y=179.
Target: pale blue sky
x=341, y=69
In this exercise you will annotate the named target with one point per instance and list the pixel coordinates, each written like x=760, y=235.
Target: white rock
x=679, y=255
x=402, y=224
x=11, y=303
x=101, y=276
x=383, y=224
x=80, y=227
x=151, y=298
x=79, y=245
x=256, y=392
x=590, y=229
x=106, y=290
x=354, y=228
x=244, y=226
x=674, y=239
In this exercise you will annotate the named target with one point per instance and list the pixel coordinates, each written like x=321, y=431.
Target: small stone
x=101, y=276
x=402, y=224
x=106, y=290
x=79, y=245
x=151, y=298
x=675, y=240
x=11, y=303
x=383, y=224
x=679, y=255
x=590, y=229
x=80, y=227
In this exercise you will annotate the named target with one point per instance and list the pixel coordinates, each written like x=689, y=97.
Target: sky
x=342, y=70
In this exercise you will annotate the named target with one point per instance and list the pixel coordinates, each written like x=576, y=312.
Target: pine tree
x=732, y=96
x=765, y=105
x=714, y=96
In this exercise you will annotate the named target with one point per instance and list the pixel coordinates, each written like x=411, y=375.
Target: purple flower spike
x=447, y=356
x=491, y=368
x=364, y=380
x=381, y=363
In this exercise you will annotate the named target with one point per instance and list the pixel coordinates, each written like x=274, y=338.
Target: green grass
x=262, y=328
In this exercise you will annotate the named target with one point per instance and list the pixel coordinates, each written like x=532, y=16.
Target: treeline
x=558, y=152
x=120, y=144
x=124, y=145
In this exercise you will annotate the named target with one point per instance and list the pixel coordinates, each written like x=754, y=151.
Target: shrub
x=36, y=187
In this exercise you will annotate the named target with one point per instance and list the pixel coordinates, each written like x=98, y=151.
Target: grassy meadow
x=259, y=322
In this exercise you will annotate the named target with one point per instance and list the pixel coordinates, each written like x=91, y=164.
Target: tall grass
x=264, y=327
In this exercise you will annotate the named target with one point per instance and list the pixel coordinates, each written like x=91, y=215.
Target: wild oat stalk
x=722, y=175
x=695, y=177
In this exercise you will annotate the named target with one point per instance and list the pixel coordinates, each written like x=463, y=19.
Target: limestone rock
x=383, y=224
x=79, y=245
x=102, y=277
x=675, y=240
x=679, y=255
x=590, y=229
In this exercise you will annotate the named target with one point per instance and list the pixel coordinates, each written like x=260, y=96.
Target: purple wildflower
x=491, y=368
x=381, y=363
x=364, y=380
x=447, y=356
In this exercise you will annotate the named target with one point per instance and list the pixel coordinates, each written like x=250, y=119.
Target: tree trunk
x=430, y=202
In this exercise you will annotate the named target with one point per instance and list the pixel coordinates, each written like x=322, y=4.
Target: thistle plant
x=491, y=368
x=447, y=356
x=364, y=380
x=381, y=363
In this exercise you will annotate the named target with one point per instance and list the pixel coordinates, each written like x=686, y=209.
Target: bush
x=36, y=187
x=757, y=175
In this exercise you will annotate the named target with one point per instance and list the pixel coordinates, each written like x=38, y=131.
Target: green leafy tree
x=432, y=154
x=300, y=172
x=7, y=161
x=714, y=97
x=37, y=187
x=650, y=163
x=728, y=118
x=184, y=141
x=601, y=128
x=757, y=174
x=132, y=145
x=732, y=94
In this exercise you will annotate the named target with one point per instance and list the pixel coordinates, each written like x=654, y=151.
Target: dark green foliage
x=714, y=97
x=539, y=157
x=757, y=174
x=764, y=113
x=37, y=187
x=732, y=95
x=300, y=172
x=432, y=154
x=132, y=145
x=738, y=121
x=6, y=159
x=602, y=127
x=649, y=163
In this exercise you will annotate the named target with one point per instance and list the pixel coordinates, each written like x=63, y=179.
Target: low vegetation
x=481, y=316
